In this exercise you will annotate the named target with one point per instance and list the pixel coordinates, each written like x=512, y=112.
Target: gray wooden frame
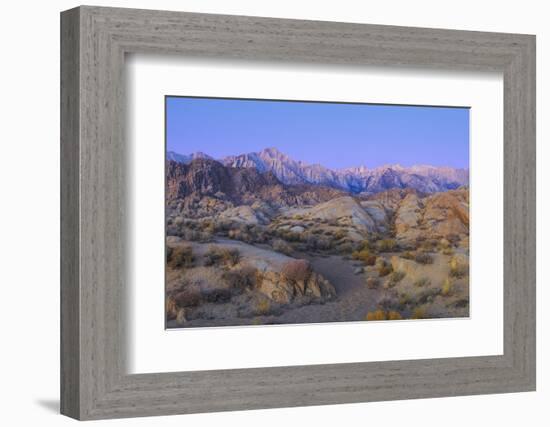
x=94, y=41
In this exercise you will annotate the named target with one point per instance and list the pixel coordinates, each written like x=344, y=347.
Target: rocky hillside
x=205, y=178
x=427, y=179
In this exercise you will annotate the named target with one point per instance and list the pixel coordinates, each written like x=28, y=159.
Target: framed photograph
x=262, y=213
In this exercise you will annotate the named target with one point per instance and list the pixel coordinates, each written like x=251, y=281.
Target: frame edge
x=70, y=403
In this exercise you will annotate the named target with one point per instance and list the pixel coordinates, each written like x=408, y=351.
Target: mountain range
x=423, y=178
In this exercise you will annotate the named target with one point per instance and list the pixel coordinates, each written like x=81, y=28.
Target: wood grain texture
x=94, y=235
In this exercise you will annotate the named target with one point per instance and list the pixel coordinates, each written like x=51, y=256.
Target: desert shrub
x=345, y=247
x=340, y=234
x=427, y=296
x=180, y=316
x=407, y=255
x=394, y=315
x=240, y=279
x=280, y=245
x=317, y=231
x=453, y=239
x=180, y=256
x=424, y=258
x=457, y=270
x=171, y=308
x=372, y=282
x=383, y=315
x=419, y=313
x=386, y=245
x=396, y=277
x=216, y=255
x=384, y=269
x=420, y=283
x=404, y=300
x=297, y=270
x=376, y=315
x=188, y=297
x=262, y=307
x=231, y=256
x=217, y=295
x=446, y=287
x=365, y=244
x=194, y=235
x=448, y=251
x=365, y=256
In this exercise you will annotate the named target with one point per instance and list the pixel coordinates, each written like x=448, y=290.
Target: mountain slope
x=427, y=179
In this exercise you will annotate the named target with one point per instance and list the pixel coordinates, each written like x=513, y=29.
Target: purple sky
x=335, y=135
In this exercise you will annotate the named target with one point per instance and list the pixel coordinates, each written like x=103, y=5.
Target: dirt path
x=354, y=300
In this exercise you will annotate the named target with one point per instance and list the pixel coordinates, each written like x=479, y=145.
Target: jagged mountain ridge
x=424, y=178
x=204, y=177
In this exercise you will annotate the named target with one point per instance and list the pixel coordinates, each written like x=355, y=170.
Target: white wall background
x=29, y=224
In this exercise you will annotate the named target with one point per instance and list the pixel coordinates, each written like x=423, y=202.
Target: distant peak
x=273, y=152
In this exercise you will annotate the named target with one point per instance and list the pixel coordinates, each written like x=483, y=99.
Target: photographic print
x=292, y=212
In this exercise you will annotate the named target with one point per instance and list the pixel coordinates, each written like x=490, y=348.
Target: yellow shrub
x=394, y=315
x=262, y=307
x=419, y=313
x=376, y=315
x=447, y=287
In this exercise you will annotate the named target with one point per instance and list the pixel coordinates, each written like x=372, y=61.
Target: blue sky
x=334, y=135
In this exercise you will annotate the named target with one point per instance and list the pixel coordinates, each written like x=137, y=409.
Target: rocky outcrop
x=284, y=290
x=244, y=215
x=441, y=215
x=408, y=218
x=447, y=214
x=344, y=209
